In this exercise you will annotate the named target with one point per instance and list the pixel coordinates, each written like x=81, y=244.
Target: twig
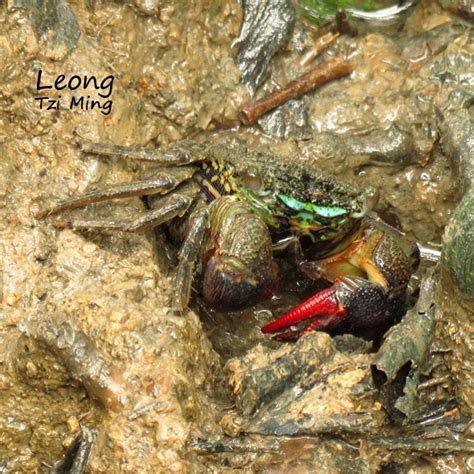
x=412, y=444
x=434, y=382
x=239, y=445
x=314, y=78
x=144, y=409
x=322, y=43
x=81, y=358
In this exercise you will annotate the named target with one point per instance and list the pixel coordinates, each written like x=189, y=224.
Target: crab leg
x=168, y=208
x=188, y=255
x=161, y=183
x=182, y=153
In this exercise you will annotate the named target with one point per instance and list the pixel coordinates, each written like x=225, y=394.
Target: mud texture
x=143, y=387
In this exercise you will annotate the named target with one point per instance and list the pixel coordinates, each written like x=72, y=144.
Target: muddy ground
x=175, y=78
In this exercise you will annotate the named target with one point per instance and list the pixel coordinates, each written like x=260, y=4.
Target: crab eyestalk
x=371, y=198
x=239, y=267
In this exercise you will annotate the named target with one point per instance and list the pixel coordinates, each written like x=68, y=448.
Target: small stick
x=239, y=445
x=422, y=445
x=434, y=382
x=314, y=78
x=82, y=358
x=322, y=43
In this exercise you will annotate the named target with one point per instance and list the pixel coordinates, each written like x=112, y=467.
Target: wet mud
x=98, y=375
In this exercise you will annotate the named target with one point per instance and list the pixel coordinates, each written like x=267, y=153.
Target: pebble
x=148, y=7
x=89, y=248
x=73, y=424
x=31, y=369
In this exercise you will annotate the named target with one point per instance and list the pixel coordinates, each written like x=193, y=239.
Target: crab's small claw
x=229, y=284
x=352, y=299
x=239, y=270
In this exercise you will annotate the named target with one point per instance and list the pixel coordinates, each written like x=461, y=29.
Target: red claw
x=323, y=303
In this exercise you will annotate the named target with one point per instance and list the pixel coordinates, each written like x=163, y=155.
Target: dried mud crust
x=175, y=78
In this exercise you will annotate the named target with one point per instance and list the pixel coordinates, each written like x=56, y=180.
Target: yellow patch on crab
x=363, y=258
x=303, y=226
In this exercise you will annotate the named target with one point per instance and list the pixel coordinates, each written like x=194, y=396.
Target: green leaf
x=318, y=10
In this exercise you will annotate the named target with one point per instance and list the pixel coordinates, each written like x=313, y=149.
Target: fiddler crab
x=233, y=209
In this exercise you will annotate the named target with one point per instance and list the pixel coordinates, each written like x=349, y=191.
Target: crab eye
x=322, y=211
x=371, y=198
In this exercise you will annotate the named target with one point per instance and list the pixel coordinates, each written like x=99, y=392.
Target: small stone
x=4, y=382
x=31, y=369
x=89, y=248
x=11, y=299
x=463, y=8
x=73, y=424
x=231, y=424
x=148, y=7
x=68, y=441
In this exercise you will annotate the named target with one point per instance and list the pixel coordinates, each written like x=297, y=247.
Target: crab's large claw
x=353, y=300
x=370, y=278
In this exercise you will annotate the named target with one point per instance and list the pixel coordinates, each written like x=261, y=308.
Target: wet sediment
x=145, y=387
